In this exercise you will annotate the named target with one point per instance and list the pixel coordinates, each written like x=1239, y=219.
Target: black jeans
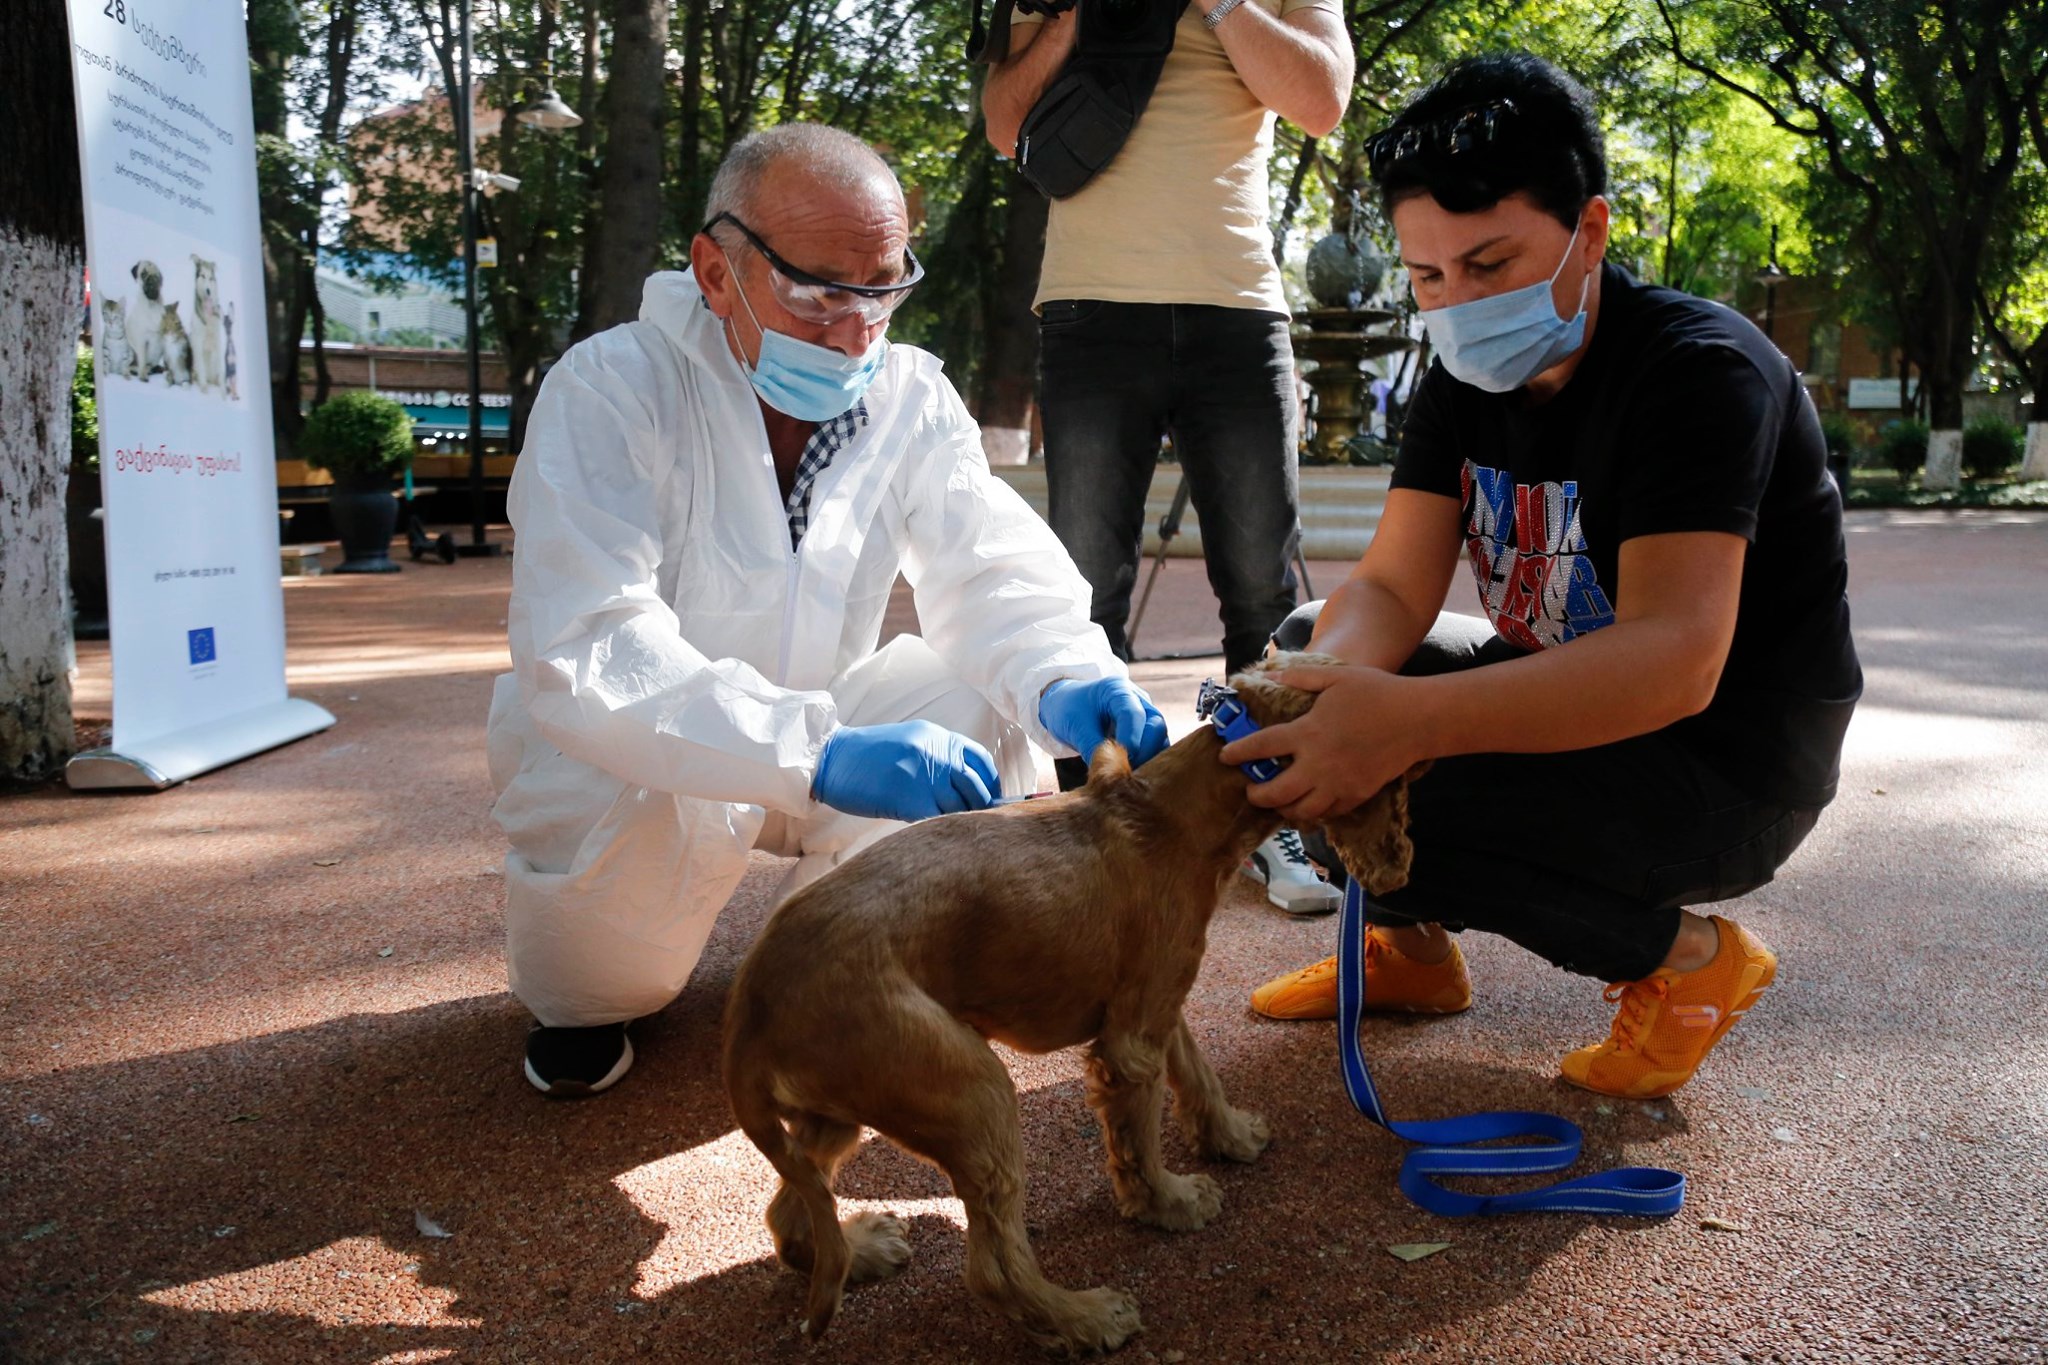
x=1114, y=377
x=1584, y=857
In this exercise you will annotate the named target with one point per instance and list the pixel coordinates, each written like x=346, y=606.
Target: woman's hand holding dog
x=1351, y=743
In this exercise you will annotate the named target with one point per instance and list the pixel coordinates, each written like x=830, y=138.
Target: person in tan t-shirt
x=1161, y=313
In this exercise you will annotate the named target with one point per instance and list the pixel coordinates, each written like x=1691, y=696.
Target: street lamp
x=1770, y=277
x=548, y=113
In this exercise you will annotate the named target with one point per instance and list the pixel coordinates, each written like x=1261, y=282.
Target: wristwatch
x=1221, y=12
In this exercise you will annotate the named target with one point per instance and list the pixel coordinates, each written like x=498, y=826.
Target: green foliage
x=893, y=72
x=1991, y=446
x=85, y=414
x=358, y=436
x=1917, y=118
x=1698, y=176
x=1902, y=446
x=1701, y=172
x=1839, y=432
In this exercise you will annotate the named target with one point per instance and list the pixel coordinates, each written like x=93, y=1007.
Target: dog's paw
x=880, y=1246
x=1182, y=1203
x=1093, y=1321
x=1237, y=1136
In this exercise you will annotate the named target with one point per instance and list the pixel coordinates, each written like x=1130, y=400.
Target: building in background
x=1844, y=365
x=412, y=313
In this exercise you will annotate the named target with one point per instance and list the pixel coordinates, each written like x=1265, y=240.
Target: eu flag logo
x=199, y=644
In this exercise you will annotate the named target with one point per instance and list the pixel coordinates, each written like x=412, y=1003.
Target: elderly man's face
x=854, y=237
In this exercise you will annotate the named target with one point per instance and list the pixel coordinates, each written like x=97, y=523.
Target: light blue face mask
x=808, y=382
x=1502, y=342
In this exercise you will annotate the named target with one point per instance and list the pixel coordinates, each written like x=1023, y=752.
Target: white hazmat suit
x=677, y=668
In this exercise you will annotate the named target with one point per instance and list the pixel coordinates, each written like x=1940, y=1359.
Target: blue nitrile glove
x=1081, y=715
x=910, y=770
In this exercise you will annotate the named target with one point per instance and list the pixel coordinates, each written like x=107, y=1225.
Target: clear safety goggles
x=816, y=299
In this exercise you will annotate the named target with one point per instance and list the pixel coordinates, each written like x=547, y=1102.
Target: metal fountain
x=1341, y=333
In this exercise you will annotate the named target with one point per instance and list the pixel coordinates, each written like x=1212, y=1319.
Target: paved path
x=251, y=1027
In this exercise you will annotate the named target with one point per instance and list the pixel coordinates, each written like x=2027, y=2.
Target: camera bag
x=1085, y=115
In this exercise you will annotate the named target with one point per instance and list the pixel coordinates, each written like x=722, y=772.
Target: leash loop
x=1451, y=1146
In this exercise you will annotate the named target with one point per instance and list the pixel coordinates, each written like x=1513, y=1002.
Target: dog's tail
x=749, y=1084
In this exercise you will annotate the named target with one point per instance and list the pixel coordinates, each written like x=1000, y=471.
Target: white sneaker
x=1292, y=881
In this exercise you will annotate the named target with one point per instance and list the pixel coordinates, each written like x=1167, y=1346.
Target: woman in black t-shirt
x=1650, y=715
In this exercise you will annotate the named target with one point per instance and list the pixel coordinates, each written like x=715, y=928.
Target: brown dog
x=1044, y=925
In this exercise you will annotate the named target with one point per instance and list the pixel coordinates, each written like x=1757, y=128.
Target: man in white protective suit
x=711, y=508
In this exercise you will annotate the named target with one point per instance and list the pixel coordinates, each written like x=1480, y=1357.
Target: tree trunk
x=1292, y=204
x=341, y=46
x=591, y=266
x=690, y=169
x=1677, y=136
x=628, y=222
x=522, y=236
x=2035, y=463
x=283, y=306
x=1942, y=382
x=524, y=347
x=1009, y=375
x=309, y=306
x=42, y=264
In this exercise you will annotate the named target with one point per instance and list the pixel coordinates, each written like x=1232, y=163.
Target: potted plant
x=362, y=439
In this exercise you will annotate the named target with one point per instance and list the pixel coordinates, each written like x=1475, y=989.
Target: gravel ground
x=260, y=1097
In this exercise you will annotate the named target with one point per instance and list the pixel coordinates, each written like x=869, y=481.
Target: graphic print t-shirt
x=1681, y=417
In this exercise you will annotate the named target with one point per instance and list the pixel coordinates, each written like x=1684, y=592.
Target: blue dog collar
x=1220, y=707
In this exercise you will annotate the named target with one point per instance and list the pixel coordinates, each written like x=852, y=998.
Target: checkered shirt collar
x=828, y=440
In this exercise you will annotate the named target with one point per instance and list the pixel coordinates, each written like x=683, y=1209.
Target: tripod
x=1169, y=527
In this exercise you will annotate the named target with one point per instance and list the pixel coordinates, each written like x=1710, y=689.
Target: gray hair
x=828, y=159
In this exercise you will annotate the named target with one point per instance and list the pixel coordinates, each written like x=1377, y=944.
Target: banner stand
x=188, y=470
x=167, y=760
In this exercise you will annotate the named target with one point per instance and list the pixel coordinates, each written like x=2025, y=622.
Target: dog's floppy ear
x=136, y=270
x=1372, y=841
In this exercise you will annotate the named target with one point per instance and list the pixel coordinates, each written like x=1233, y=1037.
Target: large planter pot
x=88, y=546
x=365, y=517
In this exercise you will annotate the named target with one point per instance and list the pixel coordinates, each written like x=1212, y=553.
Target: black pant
x=1114, y=377
x=1583, y=857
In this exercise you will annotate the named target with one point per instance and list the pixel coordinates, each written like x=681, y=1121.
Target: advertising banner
x=195, y=601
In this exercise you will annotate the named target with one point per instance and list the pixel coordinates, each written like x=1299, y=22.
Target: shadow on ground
x=296, y=1149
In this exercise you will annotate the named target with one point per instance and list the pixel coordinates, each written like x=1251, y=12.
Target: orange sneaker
x=1393, y=982
x=1669, y=1020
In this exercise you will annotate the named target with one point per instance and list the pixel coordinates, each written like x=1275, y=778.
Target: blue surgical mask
x=1502, y=342
x=808, y=382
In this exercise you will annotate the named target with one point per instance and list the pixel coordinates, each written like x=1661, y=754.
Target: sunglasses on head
x=816, y=299
x=1461, y=130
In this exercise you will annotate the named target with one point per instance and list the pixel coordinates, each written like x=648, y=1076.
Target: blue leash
x=1451, y=1146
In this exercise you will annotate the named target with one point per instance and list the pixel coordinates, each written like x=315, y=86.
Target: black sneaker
x=568, y=1063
